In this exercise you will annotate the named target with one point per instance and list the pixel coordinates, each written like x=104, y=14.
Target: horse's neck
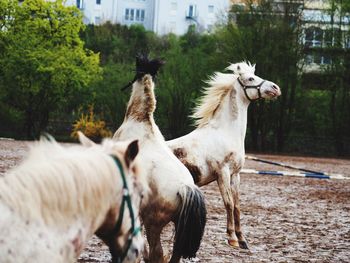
x=142, y=102
x=141, y=107
x=29, y=205
x=231, y=117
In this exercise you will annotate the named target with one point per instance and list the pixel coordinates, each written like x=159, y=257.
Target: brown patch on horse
x=194, y=170
x=134, y=110
x=180, y=153
x=77, y=243
x=108, y=224
x=231, y=160
x=157, y=211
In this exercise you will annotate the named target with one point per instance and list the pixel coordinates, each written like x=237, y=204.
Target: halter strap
x=126, y=199
x=257, y=87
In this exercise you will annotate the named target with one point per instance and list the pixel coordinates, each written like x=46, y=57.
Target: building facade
x=159, y=16
x=323, y=30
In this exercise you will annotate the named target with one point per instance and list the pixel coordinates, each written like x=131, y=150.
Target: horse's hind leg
x=155, y=247
x=175, y=258
x=237, y=212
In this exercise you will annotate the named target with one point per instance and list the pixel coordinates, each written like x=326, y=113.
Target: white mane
x=219, y=86
x=53, y=179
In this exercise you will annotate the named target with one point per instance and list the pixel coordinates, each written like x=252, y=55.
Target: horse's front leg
x=237, y=212
x=223, y=181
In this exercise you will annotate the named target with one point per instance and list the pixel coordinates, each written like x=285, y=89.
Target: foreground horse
x=174, y=195
x=52, y=203
x=215, y=150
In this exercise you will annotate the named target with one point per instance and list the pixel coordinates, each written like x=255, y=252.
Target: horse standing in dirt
x=215, y=149
x=54, y=202
x=174, y=196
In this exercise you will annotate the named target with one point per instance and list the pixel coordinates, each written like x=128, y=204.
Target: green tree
x=269, y=37
x=43, y=64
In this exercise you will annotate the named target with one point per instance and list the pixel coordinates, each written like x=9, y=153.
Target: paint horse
x=56, y=199
x=174, y=196
x=214, y=151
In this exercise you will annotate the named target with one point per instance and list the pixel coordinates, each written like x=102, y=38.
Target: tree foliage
x=43, y=62
x=47, y=71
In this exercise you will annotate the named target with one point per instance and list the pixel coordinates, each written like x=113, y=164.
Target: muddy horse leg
x=155, y=247
x=237, y=212
x=226, y=193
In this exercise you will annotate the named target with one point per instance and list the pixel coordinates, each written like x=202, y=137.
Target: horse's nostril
x=275, y=87
x=136, y=251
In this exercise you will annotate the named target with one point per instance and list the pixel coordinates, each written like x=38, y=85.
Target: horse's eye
x=251, y=79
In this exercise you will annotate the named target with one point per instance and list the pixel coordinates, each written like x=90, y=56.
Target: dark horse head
x=145, y=66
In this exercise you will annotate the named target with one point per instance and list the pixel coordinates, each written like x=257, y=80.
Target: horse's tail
x=189, y=227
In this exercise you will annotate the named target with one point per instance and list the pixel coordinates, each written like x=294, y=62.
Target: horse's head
x=121, y=228
x=254, y=87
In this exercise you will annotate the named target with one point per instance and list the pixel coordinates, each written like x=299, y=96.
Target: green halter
x=126, y=199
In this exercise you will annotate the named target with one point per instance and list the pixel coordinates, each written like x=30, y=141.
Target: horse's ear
x=85, y=141
x=131, y=152
x=239, y=70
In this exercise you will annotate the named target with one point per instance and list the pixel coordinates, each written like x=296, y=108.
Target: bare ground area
x=285, y=219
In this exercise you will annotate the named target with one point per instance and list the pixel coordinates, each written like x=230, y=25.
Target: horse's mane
x=219, y=86
x=53, y=179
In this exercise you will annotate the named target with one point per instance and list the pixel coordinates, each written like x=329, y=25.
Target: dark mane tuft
x=145, y=66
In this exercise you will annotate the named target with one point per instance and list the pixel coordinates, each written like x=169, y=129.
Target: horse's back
x=23, y=241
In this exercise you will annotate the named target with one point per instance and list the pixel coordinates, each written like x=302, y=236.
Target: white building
x=159, y=16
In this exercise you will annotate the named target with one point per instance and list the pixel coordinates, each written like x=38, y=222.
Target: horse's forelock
x=241, y=67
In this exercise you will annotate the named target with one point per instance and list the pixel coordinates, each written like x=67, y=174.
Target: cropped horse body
x=52, y=203
x=173, y=196
x=214, y=151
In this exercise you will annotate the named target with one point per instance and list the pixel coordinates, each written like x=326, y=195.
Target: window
x=210, y=9
x=80, y=4
x=172, y=27
x=132, y=12
x=328, y=38
x=318, y=59
x=347, y=41
x=142, y=15
x=137, y=18
x=97, y=20
x=313, y=37
x=98, y=2
x=127, y=12
x=173, y=8
x=191, y=11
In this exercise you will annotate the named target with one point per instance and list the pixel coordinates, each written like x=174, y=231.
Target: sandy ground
x=285, y=219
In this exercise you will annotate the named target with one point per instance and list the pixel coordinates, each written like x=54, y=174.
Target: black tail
x=191, y=222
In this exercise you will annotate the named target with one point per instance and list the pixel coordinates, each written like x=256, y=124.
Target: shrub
x=91, y=126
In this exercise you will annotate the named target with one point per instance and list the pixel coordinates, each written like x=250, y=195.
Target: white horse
x=56, y=199
x=174, y=196
x=215, y=149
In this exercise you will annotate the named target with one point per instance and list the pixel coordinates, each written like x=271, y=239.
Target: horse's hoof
x=233, y=243
x=243, y=244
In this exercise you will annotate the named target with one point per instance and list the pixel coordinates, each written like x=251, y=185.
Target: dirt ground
x=285, y=219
